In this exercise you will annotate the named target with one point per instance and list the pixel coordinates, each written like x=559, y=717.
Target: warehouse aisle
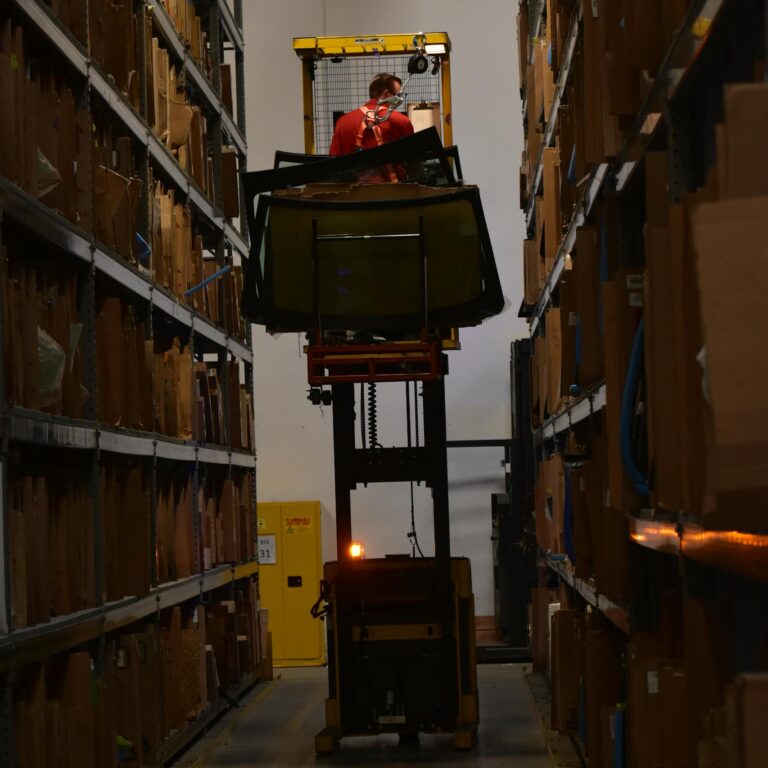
x=276, y=728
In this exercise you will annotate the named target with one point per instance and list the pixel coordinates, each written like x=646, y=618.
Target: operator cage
x=336, y=73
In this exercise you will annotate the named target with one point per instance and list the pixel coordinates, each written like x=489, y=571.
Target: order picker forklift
x=379, y=277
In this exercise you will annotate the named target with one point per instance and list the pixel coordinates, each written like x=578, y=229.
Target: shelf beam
x=587, y=404
x=583, y=208
x=738, y=552
x=60, y=634
x=52, y=30
x=617, y=615
x=31, y=214
x=233, y=33
x=678, y=61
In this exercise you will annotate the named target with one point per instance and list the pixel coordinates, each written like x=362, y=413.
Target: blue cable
x=627, y=411
x=570, y=544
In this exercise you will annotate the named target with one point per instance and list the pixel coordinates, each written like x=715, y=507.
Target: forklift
x=380, y=277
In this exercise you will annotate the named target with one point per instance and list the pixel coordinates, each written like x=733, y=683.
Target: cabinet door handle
x=294, y=581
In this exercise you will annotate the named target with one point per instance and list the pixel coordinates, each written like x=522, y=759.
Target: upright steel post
x=343, y=460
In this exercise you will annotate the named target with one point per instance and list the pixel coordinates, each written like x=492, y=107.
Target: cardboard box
x=603, y=686
x=746, y=106
x=622, y=302
x=585, y=279
x=748, y=738
x=567, y=668
x=584, y=536
x=739, y=403
x=643, y=713
x=554, y=359
x=230, y=203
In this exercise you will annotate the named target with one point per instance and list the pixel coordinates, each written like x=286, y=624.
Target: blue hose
x=627, y=403
x=570, y=544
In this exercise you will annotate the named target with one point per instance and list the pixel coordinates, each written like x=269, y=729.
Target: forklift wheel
x=327, y=741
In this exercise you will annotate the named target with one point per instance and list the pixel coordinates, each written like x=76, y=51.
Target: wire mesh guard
x=341, y=85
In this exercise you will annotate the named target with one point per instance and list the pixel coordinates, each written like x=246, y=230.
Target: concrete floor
x=275, y=727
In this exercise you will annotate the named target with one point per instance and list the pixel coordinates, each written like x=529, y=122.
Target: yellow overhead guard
x=365, y=45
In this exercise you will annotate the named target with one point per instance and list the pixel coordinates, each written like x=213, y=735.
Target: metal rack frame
x=681, y=56
x=87, y=437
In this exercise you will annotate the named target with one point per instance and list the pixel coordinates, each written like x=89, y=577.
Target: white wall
x=294, y=439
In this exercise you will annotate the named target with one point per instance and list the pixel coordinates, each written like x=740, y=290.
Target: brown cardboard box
x=607, y=735
x=230, y=204
x=643, y=713
x=533, y=135
x=545, y=77
x=738, y=399
x=603, y=685
x=540, y=600
x=585, y=276
x=746, y=106
x=554, y=359
x=582, y=528
x=748, y=732
x=677, y=746
x=569, y=319
x=227, y=510
x=567, y=669
x=182, y=525
x=623, y=307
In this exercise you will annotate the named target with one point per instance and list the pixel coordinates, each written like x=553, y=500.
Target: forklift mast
x=380, y=276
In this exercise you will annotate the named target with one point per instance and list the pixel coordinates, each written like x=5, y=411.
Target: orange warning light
x=356, y=550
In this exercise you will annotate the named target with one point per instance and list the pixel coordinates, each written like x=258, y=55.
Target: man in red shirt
x=359, y=128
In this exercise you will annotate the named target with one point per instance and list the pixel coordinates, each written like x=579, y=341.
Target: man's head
x=384, y=85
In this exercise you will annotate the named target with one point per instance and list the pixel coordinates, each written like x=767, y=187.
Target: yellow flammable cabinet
x=290, y=569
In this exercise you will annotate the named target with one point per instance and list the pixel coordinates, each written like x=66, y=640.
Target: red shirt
x=344, y=141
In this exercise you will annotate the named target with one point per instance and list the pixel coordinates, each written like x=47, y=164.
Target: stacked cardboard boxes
x=123, y=354
x=113, y=43
x=126, y=508
x=42, y=332
x=189, y=26
x=59, y=712
x=227, y=509
x=176, y=558
x=46, y=134
x=179, y=124
x=51, y=544
x=678, y=249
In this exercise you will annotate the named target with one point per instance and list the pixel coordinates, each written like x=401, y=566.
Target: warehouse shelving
x=53, y=31
x=680, y=57
x=230, y=25
x=180, y=740
x=616, y=614
x=590, y=192
x=585, y=405
x=62, y=633
x=50, y=226
x=649, y=528
x=25, y=426
x=70, y=50
x=197, y=469
x=735, y=551
x=551, y=120
x=536, y=15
